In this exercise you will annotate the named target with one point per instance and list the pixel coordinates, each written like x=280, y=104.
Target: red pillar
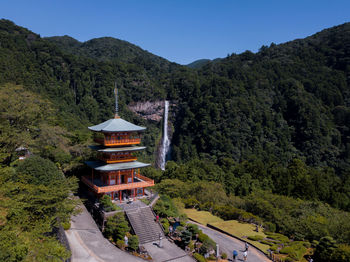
x=143, y=191
x=120, y=195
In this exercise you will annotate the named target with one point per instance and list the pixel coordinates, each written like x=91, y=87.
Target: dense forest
x=265, y=127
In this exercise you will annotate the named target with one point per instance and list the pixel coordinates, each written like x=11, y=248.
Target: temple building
x=117, y=172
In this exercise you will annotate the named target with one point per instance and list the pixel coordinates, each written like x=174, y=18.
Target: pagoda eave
x=102, y=166
x=103, y=149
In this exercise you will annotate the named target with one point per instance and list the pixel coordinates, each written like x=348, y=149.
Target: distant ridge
x=198, y=63
x=106, y=49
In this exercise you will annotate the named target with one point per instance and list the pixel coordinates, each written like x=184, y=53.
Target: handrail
x=106, y=189
x=159, y=223
x=153, y=199
x=144, y=178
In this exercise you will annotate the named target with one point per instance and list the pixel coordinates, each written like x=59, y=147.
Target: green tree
x=116, y=227
x=186, y=237
x=133, y=243
x=325, y=249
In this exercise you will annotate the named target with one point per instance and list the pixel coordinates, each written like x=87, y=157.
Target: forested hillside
x=286, y=101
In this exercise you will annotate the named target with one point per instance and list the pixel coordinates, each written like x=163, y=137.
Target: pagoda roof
x=117, y=149
x=116, y=125
x=102, y=166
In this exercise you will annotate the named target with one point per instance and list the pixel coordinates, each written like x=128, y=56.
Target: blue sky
x=178, y=30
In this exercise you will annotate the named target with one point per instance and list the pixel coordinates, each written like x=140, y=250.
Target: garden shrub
x=183, y=219
x=191, y=245
x=199, y=257
x=286, y=250
x=341, y=253
x=193, y=228
x=116, y=227
x=296, y=251
x=266, y=242
x=107, y=203
x=165, y=224
x=223, y=255
x=304, y=243
x=186, y=237
x=270, y=227
x=179, y=229
x=279, y=237
x=66, y=225
x=121, y=244
x=314, y=243
x=191, y=202
x=274, y=247
x=133, y=242
x=207, y=246
x=183, y=223
x=307, y=244
x=165, y=207
x=256, y=238
x=202, y=237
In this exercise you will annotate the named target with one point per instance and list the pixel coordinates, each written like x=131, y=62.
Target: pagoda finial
x=116, y=100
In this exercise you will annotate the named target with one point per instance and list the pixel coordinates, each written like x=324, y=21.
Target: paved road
x=88, y=244
x=227, y=244
x=168, y=252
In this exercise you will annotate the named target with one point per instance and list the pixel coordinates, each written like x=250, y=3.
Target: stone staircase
x=143, y=222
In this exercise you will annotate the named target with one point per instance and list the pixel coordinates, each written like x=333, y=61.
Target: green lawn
x=202, y=217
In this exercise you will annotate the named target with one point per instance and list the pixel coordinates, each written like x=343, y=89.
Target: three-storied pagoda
x=117, y=172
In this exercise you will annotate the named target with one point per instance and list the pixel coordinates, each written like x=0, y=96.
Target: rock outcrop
x=149, y=110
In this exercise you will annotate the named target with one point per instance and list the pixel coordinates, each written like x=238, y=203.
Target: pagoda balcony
x=97, y=185
x=111, y=159
x=118, y=142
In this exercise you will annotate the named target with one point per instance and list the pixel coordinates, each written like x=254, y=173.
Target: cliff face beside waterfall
x=148, y=110
x=154, y=111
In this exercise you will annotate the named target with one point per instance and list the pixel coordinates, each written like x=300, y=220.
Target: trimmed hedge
x=232, y=213
x=199, y=257
x=274, y=247
x=296, y=251
x=256, y=238
x=266, y=242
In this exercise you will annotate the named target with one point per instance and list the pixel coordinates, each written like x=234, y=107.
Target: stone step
x=143, y=223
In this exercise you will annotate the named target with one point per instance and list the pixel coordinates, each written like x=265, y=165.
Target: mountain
x=107, y=49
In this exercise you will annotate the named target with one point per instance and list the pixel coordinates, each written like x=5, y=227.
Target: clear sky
x=180, y=30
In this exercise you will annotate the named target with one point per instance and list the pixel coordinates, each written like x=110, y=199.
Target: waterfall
x=165, y=141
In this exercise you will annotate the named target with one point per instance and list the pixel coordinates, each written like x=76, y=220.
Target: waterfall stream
x=165, y=141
